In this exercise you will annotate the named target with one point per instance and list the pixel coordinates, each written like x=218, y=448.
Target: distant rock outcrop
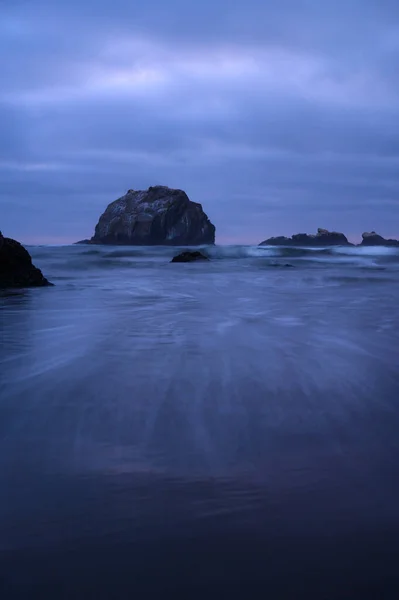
x=373, y=239
x=323, y=237
x=157, y=216
x=189, y=257
x=16, y=268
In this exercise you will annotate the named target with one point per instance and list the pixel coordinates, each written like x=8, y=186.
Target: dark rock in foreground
x=16, y=268
x=373, y=239
x=282, y=266
x=189, y=257
x=323, y=237
x=158, y=216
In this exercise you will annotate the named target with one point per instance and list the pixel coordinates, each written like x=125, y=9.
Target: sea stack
x=16, y=268
x=373, y=239
x=323, y=237
x=157, y=216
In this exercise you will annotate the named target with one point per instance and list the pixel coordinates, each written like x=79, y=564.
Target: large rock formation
x=323, y=237
x=159, y=215
x=16, y=268
x=373, y=239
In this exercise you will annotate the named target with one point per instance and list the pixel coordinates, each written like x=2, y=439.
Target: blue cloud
x=277, y=116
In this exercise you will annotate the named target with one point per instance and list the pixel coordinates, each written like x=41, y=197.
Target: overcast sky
x=278, y=116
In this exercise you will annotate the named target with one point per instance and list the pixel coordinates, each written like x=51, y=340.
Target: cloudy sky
x=278, y=116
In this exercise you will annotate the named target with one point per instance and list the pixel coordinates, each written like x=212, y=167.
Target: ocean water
x=211, y=430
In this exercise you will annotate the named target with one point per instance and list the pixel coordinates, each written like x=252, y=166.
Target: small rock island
x=185, y=257
x=373, y=239
x=323, y=237
x=157, y=216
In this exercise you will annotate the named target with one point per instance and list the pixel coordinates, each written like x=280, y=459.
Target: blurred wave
x=86, y=258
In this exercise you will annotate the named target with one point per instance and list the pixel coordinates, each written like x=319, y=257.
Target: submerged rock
x=374, y=239
x=189, y=257
x=323, y=237
x=157, y=216
x=16, y=268
x=282, y=265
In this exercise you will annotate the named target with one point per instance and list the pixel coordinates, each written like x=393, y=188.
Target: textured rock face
x=322, y=238
x=159, y=215
x=373, y=239
x=16, y=268
x=189, y=257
